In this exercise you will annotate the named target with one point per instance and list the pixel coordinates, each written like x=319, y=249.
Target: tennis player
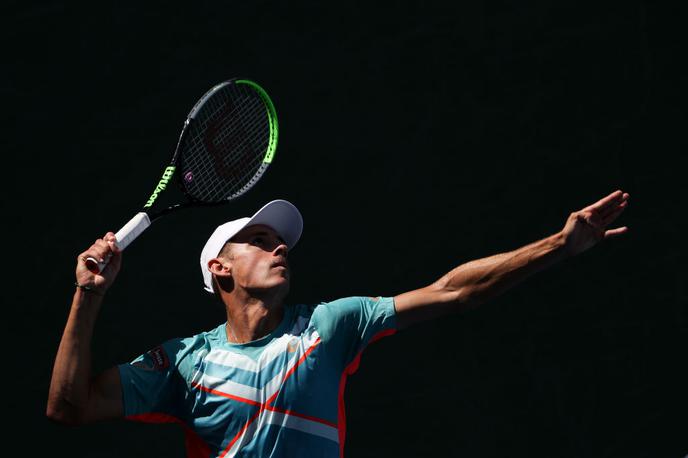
x=269, y=382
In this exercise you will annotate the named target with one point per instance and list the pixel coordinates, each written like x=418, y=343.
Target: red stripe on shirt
x=348, y=370
x=269, y=401
x=225, y=395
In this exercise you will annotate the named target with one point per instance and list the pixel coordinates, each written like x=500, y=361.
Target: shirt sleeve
x=346, y=326
x=151, y=386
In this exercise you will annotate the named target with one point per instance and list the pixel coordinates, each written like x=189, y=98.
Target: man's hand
x=588, y=226
x=101, y=249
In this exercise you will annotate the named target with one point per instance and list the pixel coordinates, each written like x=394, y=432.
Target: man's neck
x=249, y=318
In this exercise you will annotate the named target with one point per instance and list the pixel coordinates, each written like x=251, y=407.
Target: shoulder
x=352, y=309
x=348, y=324
x=353, y=303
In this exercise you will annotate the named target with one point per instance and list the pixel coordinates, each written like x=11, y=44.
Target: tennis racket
x=227, y=142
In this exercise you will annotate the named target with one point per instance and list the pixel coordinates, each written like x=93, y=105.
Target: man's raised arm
x=75, y=396
x=476, y=282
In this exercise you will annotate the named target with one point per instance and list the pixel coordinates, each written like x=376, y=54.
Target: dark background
x=414, y=136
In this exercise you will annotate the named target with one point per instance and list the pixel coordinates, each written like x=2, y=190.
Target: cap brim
x=283, y=217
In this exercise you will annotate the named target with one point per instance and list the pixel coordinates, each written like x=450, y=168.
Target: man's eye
x=258, y=240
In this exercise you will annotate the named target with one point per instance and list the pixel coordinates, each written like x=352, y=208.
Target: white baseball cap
x=280, y=215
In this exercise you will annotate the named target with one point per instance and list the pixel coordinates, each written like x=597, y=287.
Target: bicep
x=424, y=304
x=105, y=397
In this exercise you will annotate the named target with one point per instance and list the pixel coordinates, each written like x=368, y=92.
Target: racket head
x=229, y=142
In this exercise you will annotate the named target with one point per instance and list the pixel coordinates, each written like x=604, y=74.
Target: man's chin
x=278, y=286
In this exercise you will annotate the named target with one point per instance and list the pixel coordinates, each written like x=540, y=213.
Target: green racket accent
x=272, y=119
x=162, y=184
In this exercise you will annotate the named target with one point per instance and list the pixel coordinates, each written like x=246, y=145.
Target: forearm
x=478, y=281
x=71, y=378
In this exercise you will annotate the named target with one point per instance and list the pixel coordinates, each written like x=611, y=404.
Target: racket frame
x=144, y=218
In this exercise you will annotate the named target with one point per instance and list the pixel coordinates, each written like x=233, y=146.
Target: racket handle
x=123, y=238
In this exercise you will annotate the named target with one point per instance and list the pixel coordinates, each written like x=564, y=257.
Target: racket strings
x=240, y=118
x=252, y=124
x=224, y=155
x=247, y=154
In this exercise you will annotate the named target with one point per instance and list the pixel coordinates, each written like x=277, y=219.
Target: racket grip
x=123, y=238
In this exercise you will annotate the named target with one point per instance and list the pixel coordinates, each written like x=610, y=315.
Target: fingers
x=112, y=242
x=615, y=205
x=615, y=232
x=101, y=249
x=602, y=203
x=613, y=213
x=609, y=202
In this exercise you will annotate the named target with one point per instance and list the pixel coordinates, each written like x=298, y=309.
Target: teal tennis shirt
x=278, y=396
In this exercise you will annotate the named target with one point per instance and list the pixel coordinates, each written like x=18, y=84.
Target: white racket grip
x=132, y=229
x=123, y=238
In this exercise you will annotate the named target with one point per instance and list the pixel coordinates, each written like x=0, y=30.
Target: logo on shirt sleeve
x=154, y=360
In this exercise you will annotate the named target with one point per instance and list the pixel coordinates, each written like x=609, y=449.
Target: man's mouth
x=280, y=264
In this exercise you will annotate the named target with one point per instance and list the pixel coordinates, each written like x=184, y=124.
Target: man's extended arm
x=476, y=282
x=76, y=396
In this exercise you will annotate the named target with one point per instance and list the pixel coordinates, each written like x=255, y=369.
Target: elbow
x=463, y=295
x=61, y=415
x=468, y=297
x=451, y=294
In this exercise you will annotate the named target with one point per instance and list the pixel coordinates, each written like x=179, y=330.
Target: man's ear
x=220, y=267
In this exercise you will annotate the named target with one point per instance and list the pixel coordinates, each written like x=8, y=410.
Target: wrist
x=87, y=289
x=559, y=245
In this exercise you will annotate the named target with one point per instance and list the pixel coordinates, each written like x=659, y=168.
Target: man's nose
x=281, y=250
